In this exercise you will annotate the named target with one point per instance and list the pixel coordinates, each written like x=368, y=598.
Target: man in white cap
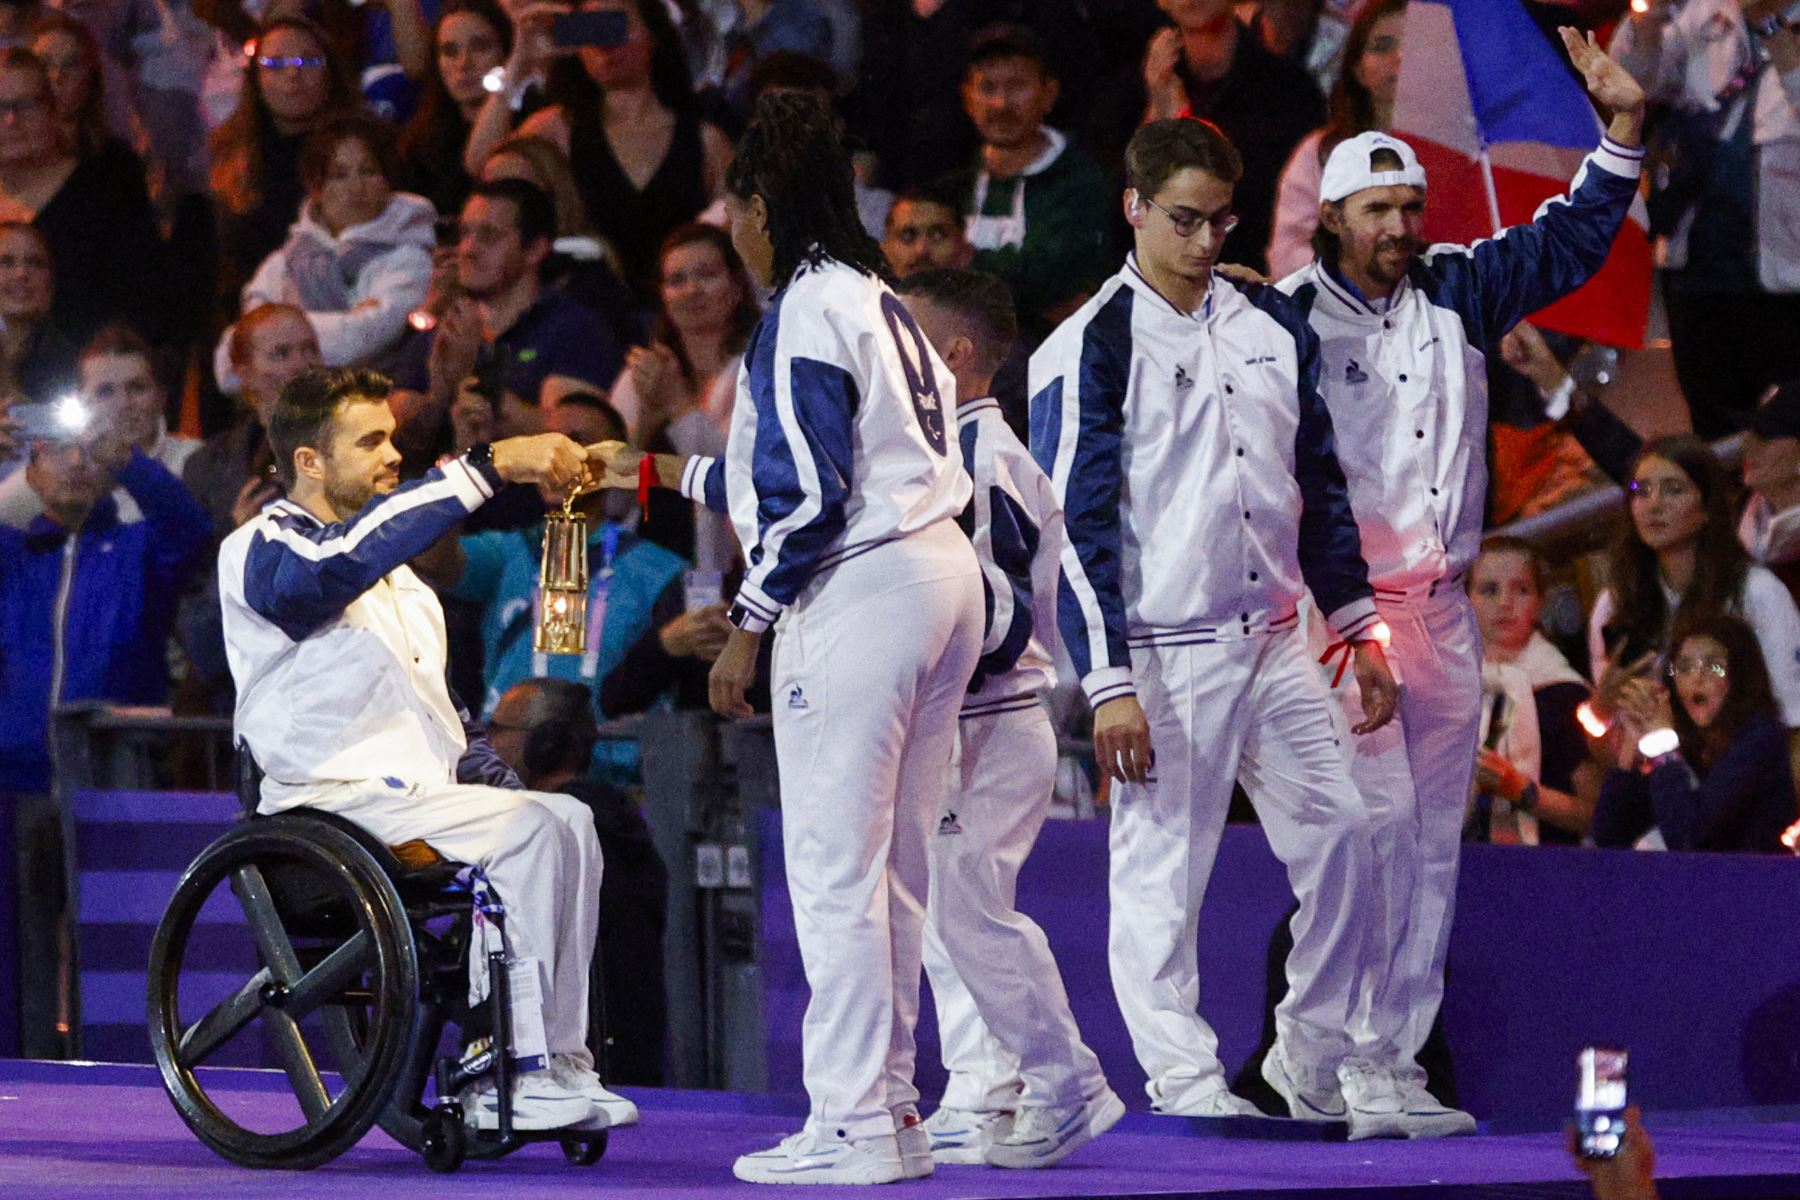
x=1405, y=335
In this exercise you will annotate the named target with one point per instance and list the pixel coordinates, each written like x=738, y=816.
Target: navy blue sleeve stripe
x=1331, y=558
x=1078, y=442
x=300, y=575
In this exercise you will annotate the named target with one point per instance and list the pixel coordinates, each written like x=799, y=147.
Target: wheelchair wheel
x=585, y=1151
x=327, y=928
x=444, y=1141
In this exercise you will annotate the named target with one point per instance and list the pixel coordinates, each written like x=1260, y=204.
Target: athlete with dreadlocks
x=844, y=486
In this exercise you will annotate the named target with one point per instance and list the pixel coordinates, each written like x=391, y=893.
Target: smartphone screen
x=704, y=589
x=1600, y=1098
x=606, y=29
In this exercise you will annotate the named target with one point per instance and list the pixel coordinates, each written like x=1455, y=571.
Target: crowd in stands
x=201, y=198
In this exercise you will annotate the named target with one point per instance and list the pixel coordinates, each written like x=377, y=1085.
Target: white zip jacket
x=1194, y=460
x=1406, y=379
x=337, y=649
x=1016, y=525
x=839, y=438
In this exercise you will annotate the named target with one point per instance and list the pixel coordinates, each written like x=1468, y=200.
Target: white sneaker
x=1310, y=1096
x=538, y=1102
x=1219, y=1102
x=1042, y=1136
x=960, y=1137
x=1373, y=1100
x=611, y=1110
x=1427, y=1116
x=914, y=1142
x=805, y=1157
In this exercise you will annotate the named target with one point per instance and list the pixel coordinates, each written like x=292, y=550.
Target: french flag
x=1501, y=124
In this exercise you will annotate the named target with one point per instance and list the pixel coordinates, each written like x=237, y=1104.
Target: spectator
x=907, y=106
x=1554, y=803
x=94, y=212
x=685, y=380
x=670, y=660
x=471, y=39
x=518, y=344
x=233, y=476
x=582, y=265
x=1210, y=66
x=925, y=231
x=499, y=571
x=545, y=730
x=677, y=392
x=358, y=261
x=626, y=117
x=77, y=70
x=294, y=84
x=1710, y=772
x=1770, y=528
x=1727, y=200
x=1362, y=100
x=1041, y=212
x=117, y=378
x=1629, y=1175
x=1680, y=559
x=1307, y=33
x=37, y=361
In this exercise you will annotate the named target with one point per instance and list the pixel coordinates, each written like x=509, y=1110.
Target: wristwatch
x=480, y=455
x=739, y=616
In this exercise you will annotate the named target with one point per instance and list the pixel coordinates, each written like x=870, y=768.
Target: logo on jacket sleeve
x=1354, y=373
x=1182, y=380
x=948, y=825
x=797, y=698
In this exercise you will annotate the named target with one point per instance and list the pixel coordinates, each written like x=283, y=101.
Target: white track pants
x=1008, y=1035
x=1254, y=710
x=540, y=852
x=870, y=670
x=1415, y=776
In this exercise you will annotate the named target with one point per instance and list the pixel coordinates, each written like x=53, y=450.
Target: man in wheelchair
x=338, y=652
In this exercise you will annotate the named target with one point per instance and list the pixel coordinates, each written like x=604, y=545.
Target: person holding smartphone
x=843, y=478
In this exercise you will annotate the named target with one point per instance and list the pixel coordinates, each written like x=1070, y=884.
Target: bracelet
x=1658, y=742
x=1529, y=795
x=646, y=481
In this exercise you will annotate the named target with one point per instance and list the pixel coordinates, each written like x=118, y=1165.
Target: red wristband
x=646, y=481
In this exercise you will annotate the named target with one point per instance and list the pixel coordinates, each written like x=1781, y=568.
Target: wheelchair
x=363, y=951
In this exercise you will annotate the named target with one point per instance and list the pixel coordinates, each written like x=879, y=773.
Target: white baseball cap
x=1347, y=171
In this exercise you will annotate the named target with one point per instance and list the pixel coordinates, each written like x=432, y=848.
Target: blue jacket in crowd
x=90, y=618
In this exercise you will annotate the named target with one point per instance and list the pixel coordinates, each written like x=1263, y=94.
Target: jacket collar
x=44, y=532
x=1344, y=297
x=1140, y=283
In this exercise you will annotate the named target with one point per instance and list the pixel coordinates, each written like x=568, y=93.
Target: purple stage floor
x=79, y=1130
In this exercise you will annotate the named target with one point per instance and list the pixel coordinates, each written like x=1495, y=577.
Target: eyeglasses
x=278, y=62
x=1681, y=668
x=937, y=235
x=1667, y=489
x=1187, y=224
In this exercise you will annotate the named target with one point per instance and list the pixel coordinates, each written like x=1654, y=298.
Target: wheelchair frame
x=315, y=877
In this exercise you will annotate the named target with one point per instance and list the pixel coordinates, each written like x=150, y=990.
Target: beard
x=1380, y=260
x=348, y=497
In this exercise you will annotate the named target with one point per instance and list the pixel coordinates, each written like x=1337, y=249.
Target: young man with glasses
x=1405, y=335
x=1178, y=416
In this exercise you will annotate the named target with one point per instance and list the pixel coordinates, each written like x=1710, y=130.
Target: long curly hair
x=793, y=156
x=237, y=145
x=1749, y=695
x=568, y=84
x=1642, y=616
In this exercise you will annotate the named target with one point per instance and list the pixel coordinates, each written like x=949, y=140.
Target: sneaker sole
x=870, y=1173
x=1385, y=1126
x=967, y=1154
x=1298, y=1106
x=489, y=1122
x=1099, y=1119
x=1438, y=1125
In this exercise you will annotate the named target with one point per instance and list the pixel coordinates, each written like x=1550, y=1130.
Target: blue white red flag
x=1501, y=124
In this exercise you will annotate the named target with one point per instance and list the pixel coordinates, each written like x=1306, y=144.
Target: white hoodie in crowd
x=378, y=274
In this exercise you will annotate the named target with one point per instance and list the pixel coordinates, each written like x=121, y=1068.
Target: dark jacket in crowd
x=1743, y=802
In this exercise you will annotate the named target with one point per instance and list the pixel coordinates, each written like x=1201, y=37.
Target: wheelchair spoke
x=329, y=977
x=265, y=923
x=297, y=1061
x=222, y=1023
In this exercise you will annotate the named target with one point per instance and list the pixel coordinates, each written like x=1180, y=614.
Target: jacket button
x=1402, y=379
x=1246, y=516
x=1253, y=577
x=1240, y=452
x=1245, y=618
x=1387, y=324
x=1434, y=491
x=1418, y=433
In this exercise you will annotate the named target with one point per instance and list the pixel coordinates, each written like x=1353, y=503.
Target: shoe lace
x=1369, y=1080
x=1035, y=1121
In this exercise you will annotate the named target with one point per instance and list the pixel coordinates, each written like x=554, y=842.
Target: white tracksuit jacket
x=1196, y=466
x=817, y=410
